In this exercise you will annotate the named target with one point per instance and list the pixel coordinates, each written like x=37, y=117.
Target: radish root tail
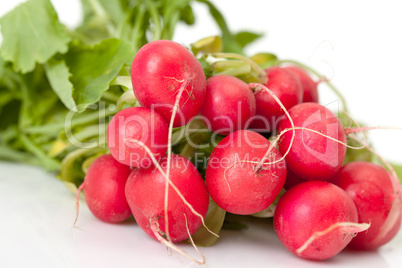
x=169, y=150
x=348, y=227
x=156, y=231
x=77, y=204
x=259, y=165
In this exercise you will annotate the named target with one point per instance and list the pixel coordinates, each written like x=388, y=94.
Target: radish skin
x=286, y=86
x=233, y=178
x=313, y=156
x=371, y=188
x=157, y=73
x=316, y=220
x=145, y=190
x=309, y=86
x=229, y=104
x=137, y=123
x=104, y=189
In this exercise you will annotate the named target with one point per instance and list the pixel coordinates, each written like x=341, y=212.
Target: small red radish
x=137, y=124
x=104, y=189
x=145, y=192
x=371, y=188
x=232, y=179
x=229, y=104
x=313, y=156
x=286, y=86
x=316, y=220
x=159, y=71
x=309, y=86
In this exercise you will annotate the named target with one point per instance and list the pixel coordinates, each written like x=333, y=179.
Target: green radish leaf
x=115, y=9
x=206, y=67
x=245, y=38
x=94, y=67
x=101, y=20
x=32, y=34
x=398, y=170
x=48, y=163
x=5, y=97
x=229, y=41
x=353, y=154
x=9, y=115
x=187, y=15
x=265, y=60
x=9, y=154
x=211, y=44
x=58, y=75
x=214, y=221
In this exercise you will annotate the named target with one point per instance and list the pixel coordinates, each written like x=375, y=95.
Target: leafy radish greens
x=49, y=73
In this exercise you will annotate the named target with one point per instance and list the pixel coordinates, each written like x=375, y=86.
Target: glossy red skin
x=104, y=189
x=312, y=156
x=309, y=86
x=229, y=104
x=310, y=207
x=157, y=72
x=285, y=85
x=243, y=191
x=141, y=124
x=145, y=192
x=370, y=187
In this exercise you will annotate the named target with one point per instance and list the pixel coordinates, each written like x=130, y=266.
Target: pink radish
x=370, y=186
x=309, y=86
x=313, y=155
x=158, y=71
x=145, y=191
x=104, y=186
x=286, y=86
x=233, y=179
x=137, y=124
x=316, y=220
x=229, y=104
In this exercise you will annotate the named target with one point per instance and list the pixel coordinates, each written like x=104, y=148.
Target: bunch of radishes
x=326, y=206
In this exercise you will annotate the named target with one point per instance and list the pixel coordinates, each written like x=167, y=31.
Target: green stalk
x=153, y=11
x=75, y=122
x=138, y=23
x=9, y=154
x=123, y=81
x=101, y=13
x=48, y=162
x=107, y=95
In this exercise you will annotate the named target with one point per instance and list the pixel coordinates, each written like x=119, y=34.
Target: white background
x=355, y=43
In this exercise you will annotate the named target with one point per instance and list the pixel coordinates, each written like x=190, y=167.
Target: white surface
x=356, y=43
x=36, y=231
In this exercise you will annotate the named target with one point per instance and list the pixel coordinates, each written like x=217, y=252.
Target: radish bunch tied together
x=258, y=133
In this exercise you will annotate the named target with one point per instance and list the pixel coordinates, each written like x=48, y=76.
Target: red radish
x=145, y=191
x=104, y=187
x=159, y=70
x=137, y=124
x=370, y=186
x=232, y=179
x=286, y=86
x=316, y=220
x=313, y=156
x=229, y=104
x=309, y=86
